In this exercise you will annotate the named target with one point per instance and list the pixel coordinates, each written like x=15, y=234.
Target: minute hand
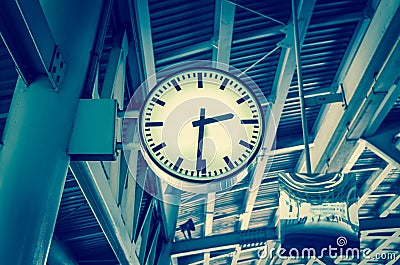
x=203, y=122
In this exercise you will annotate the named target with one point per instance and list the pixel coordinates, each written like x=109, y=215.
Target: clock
x=201, y=125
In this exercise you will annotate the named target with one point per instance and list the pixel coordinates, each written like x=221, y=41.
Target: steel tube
x=301, y=90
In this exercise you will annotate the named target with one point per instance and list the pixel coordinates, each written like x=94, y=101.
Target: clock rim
x=237, y=170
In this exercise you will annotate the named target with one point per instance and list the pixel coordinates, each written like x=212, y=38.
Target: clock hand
x=202, y=122
x=200, y=162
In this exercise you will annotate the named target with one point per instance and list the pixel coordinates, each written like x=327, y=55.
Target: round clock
x=201, y=125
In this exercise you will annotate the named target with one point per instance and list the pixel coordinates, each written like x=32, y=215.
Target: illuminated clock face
x=201, y=125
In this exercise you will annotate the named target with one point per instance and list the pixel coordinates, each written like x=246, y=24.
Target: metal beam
x=380, y=249
x=208, y=224
x=129, y=201
x=389, y=206
x=283, y=78
x=144, y=233
x=170, y=205
x=370, y=224
x=280, y=89
x=223, y=31
x=153, y=247
x=222, y=241
x=375, y=58
x=93, y=183
x=146, y=41
x=28, y=203
x=373, y=182
x=29, y=40
x=382, y=144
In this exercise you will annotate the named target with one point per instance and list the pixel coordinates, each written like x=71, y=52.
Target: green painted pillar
x=33, y=158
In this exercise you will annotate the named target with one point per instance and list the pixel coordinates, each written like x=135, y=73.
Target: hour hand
x=214, y=119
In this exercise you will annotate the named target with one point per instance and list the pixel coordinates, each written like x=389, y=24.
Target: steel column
x=33, y=158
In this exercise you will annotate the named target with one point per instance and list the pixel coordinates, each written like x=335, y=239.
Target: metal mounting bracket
x=323, y=99
x=57, y=69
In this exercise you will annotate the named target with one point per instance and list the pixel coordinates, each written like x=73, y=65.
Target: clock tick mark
x=228, y=162
x=223, y=85
x=246, y=144
x=159, y=102
x=159, y=147
x=176, y=85
x=153, y=124
x=199, y=80
x=178, y=163
x=243, y=99
x=249, y=121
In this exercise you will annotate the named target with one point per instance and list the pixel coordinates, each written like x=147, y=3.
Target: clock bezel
x=197, y=179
